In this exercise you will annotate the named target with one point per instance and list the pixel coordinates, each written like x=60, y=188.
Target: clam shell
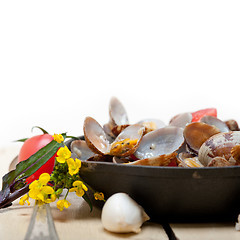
x=232, y=125
x=219, y=145
x=120, y=160
x=95, y=136
x=97, y=141
x=161, y=160
x=197, y=133
x=183, y=155
x=131, y=133
x=152, y=124
x=117, y=113
x=134, y=131
x=186, y=159
x=159, y=142
x=193, y=162
x=210, y=120
x=181, y=120
x=235, y=152
x=218, y=162
x=116, y=130
x=108, y=130
x=81, y=150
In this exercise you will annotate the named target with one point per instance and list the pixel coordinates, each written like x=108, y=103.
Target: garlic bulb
x=121, y=214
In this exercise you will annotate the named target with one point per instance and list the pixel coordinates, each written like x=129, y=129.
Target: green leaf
x=87, y=199
x=21, y=140
x=76, y=138
x=24, y=139
x=43, y=130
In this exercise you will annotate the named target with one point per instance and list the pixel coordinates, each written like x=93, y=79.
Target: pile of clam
x=204, y=143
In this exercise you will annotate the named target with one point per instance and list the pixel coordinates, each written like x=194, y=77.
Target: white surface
x=61, y=61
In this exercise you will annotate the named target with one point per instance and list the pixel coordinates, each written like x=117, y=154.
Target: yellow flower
x=61, y=204
x=79, y=187
x=99, y=196
x=73, y=166
x=24, y=199
x=39, y=190
x=53, y=197
x=58, y=138
x=63, y=154
x=44, y=178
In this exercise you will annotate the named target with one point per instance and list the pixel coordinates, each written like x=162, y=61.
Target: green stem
x=89, y=187
x=66, y=194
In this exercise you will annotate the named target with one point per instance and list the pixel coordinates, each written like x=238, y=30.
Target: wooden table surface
x=77, y=222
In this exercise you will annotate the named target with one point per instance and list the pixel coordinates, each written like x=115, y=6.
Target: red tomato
x=31, y=146
x=196, y=116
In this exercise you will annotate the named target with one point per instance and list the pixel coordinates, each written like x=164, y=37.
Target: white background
x=61, y=61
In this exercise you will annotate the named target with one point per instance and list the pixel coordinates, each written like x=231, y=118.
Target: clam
x=118, y=118
x=186, y=159
x=152, y=124
x=124, y=145
x=197, y=133
x=116, y=159
x=108, y=131
x=95, y=136
x=183, y=155
x=181, y=120
x=127, y=141
x=116, y=130
x=210, y=120
x=117, y=113
x=219, y=162
x=232, y=125
x=161, y=160
x=235, y=152
x=220, y=145
x=81, y=150
x=159, y=147
x=193, y=162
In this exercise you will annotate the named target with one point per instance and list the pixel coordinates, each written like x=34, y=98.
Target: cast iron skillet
x=171, y=194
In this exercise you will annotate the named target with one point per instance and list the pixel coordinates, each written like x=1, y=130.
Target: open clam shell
x=210, y=120
x=95, y=136
x=117, y=113
x=219, y=145
x=235, y=152
x=81, y=150
x=108, y=130
x=116, y=130
x=197, y=133
x=152, y=124
x=127, y=141
x=232, y=125
x=181, y=120
x=159, y=142
x=183, y=155
x=161, y=160
x=218, y=162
